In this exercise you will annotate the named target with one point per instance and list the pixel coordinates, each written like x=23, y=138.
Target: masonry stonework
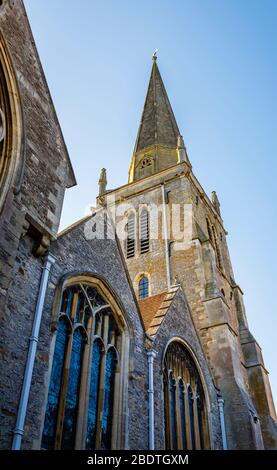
x=192, y=296
x=203, y=269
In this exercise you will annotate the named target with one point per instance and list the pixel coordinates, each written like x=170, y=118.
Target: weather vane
x=154, y=56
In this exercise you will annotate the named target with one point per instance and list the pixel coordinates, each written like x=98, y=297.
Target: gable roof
x=71, y=179
x=149, y=307
x=154, y=309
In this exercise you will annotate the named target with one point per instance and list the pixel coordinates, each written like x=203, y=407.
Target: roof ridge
x=162, y=311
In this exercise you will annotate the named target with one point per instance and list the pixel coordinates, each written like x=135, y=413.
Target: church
x=127, y=330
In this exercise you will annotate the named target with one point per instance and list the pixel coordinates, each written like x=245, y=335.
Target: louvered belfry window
x=144, y=231
x=131, y=236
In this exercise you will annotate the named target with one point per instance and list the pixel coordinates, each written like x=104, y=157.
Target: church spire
x=158, y=140
x=158, y=125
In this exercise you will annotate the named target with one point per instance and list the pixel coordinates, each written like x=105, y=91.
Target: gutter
x=220, y=402
x=151, y=429
x=25, y=392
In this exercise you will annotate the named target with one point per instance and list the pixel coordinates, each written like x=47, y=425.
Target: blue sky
x=218, y=62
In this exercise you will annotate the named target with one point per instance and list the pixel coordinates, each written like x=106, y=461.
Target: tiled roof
x=149, y=306
x=153, y=309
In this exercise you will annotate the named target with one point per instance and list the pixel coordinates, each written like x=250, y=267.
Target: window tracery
x=185, y=409
x=85, y=362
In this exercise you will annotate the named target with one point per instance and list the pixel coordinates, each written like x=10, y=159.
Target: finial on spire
x=154, y=55
x=181, y=150
x=180, y=142
x=216, y=203
x=102, y=182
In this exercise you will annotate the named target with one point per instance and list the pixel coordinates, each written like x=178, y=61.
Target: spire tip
x=154, y=55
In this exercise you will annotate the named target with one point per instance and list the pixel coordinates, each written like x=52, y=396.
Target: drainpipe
x=25, y=392
x=166, y=240
x=220, y=402
x=150, y=358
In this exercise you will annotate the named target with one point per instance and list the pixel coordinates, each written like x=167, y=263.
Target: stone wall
x=18, y=317
x=76, y=255
x=32, y=204
x=204, y=270
x=43, y=170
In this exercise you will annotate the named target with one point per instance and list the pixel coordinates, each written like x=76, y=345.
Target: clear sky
x=218, y=62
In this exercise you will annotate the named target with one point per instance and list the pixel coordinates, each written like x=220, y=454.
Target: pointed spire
x=158, y=124
x=154, y=56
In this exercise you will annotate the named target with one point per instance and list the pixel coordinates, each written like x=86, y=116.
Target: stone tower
x=166, y=360
x=41, y=270
x=161, y=175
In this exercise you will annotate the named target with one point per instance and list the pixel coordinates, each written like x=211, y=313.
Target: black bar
x=119, y=459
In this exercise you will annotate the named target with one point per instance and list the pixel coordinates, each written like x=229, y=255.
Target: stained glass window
x=191, y=417
x=48, y=438
x=143, y=287
x=172, y=402
x=93, y=394
x=200, y=416
x=108, y=399
x=72, y=391
x=67, y=300
x=86, y=323
x=185, y=411
x=182, y=413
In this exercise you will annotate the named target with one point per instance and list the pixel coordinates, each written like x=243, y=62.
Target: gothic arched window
x=10, y=123
x=184, y=399
x=143, y=287
x=131, y=236
x=5, y=128
x=144, y=231
x=80, y=406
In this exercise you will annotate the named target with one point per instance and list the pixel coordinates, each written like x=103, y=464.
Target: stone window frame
x=119, y=431
x=136, y=282
x=143, y=288
x=207, y=429
x=14, y=128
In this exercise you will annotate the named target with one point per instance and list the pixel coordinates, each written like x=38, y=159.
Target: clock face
x=2, y=125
